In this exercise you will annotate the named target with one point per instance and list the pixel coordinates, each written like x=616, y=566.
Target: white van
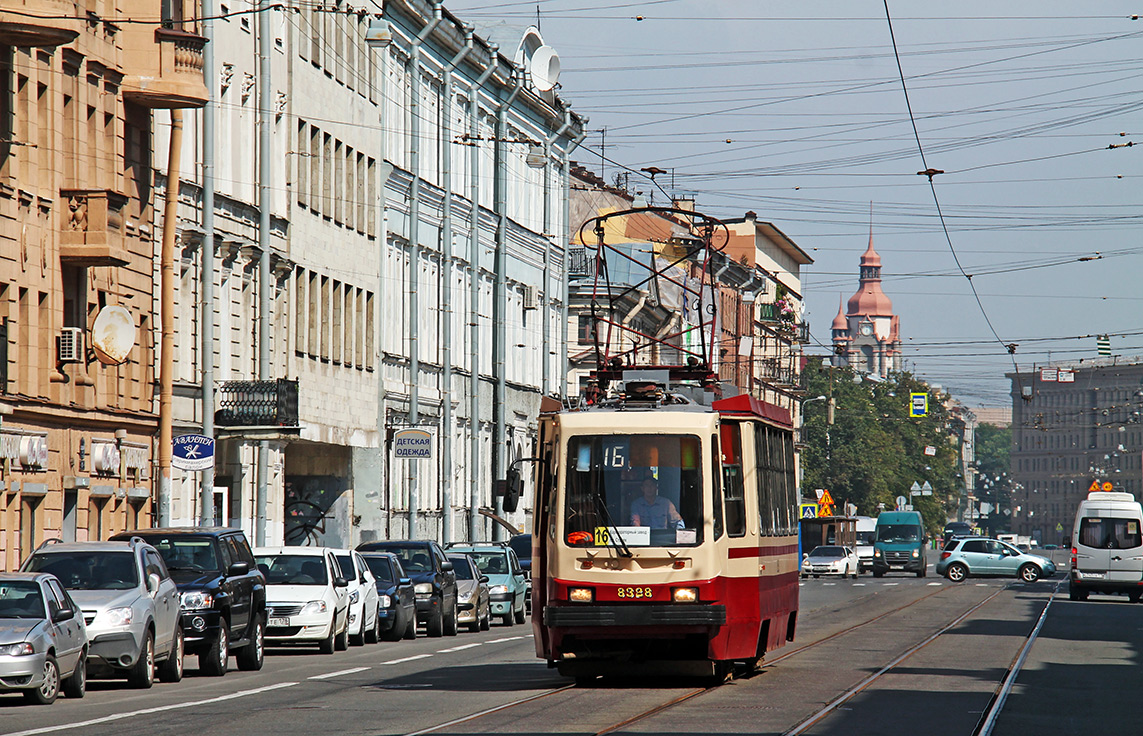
x=866, y=536
x=1107, y=546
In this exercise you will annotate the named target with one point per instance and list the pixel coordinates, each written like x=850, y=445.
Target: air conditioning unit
x=531, y=297
x=69, y=345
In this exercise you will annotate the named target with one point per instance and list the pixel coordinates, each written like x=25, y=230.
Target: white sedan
x=307, y=599
x=830, y=559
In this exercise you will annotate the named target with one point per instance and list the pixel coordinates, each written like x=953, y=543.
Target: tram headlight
x=684, y=595
x=581, y=595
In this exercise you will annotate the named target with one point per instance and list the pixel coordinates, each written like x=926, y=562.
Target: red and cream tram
x=665, y=534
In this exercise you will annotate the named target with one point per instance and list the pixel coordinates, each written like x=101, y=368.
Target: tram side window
x=776, y=487
x=732, y=480
x=789, y=501
x=717, y=486
x=634, y=490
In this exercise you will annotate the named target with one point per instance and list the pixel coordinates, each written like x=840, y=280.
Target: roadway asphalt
x=1079, y=671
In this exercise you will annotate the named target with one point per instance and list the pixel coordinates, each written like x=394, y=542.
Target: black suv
x=434, y=582
x=222, y=592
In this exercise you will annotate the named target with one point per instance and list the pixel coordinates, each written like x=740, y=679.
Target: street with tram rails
x=898, y=654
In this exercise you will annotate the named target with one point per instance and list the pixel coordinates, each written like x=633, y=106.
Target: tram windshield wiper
x=602, y=507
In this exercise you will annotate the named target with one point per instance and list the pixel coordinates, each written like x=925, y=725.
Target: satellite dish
x=545, y=68
x=113, y=335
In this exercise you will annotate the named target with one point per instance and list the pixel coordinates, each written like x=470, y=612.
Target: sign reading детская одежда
x=416, y=443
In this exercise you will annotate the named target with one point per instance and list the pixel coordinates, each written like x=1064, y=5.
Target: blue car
x=982, y=557
x=396, y=602
x=507, y=584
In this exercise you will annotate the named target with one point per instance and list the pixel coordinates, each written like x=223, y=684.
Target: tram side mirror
x=509, y=489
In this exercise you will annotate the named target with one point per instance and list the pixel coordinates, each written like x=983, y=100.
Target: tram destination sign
x=413, y=443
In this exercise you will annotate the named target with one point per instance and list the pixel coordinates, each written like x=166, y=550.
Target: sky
x=796, y=110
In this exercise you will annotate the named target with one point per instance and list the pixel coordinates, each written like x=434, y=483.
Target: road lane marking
x=932, y=584
x=148, y=711
x=825, y=584
x=460, y=648
x=408, y=659
x=890, y=583
x=859, y=585
x=507, y=638
x=328, y=675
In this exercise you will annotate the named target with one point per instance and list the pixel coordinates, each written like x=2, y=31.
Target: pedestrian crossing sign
x=808, y=511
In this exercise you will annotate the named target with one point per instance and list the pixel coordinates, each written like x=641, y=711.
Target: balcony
x=164, y=67
x=258, y=404
x=39, y=22
x=92, y=232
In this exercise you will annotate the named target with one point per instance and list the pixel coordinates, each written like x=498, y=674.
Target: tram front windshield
x=638, y=490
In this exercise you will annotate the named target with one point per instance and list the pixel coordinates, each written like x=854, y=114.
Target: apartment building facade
x=79, y=87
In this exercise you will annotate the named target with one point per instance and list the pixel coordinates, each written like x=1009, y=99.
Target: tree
x=874, y=451
x=993, y=452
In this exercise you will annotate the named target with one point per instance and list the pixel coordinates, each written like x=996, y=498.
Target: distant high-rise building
x=866, y=333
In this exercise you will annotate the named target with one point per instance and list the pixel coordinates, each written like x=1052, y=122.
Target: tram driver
x=652, y=510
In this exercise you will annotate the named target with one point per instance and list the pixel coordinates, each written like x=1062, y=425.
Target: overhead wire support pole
x=265, y=202
x=206, y=270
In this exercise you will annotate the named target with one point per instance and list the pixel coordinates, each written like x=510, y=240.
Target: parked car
x=130, y=606
x=507, y=586
x=521, y=544
x=43, y=641
x=981, y=556
x=364, y=624
x=222, y=594
x=396, y=601
x=434, y=582
x=307, y=599
x=830, y=559
x=472, y=593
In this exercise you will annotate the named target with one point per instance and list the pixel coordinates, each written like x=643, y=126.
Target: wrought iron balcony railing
x=257, y=404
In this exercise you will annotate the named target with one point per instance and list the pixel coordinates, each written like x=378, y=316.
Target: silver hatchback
x=130, y=605
x=43, y=641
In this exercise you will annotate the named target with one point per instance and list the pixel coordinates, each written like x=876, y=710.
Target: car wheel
x=328, y=644
x=956, y=572
x=142, y=675
x=251, y=656
x=1029, y=573
x=341, y=642
x=435, y=626
x=374, y=634
x=76, y=685
x=171, y=669
x=215, y=659
x=521, y=615
x=450, y=626
x=49, y=690
x=411, y=627
x=877, y=573
x=486, y=622
x=474, y=627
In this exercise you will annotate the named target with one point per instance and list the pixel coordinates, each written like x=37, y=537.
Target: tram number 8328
x=635, y=592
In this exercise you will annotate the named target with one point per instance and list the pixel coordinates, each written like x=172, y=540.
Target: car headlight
x=16, y=650
x=464, y=597
x=498, y=589
x=354, y=597
x=876, y=553
x=916, y=553
x=196, y=599
x=313, y=607
x=116, y=617
x=423, y=588
x=384, y=601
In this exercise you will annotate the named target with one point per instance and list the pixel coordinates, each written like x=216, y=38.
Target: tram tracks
x=809, y=721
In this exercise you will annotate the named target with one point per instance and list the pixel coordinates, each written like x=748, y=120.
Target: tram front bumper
x=575, y=616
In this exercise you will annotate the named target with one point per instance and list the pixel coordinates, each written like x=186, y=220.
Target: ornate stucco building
x=866, y=332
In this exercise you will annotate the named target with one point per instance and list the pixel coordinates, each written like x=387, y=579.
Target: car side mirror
x=484, y=578
x=446, y=566
x=238, y=568
x=63, y=614
x=405, y=581
x=153, y=583
x=340, y=582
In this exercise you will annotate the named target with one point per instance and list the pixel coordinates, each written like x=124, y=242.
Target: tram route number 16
x=615, y=456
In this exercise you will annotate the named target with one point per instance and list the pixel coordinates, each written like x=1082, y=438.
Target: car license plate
x=1091, y=576
x=279, y=621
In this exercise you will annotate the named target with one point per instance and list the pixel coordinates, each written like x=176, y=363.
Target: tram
x=665, y=532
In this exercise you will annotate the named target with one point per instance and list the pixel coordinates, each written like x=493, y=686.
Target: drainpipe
x=414, y=233
x=547, y=233
x=206, y=270
x=446, y=294
x=474, y=521
x=265, y=174
x=565, y=240
x=500, y=293
x=167, y=307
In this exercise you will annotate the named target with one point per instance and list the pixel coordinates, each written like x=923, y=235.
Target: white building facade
x=409, y=273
